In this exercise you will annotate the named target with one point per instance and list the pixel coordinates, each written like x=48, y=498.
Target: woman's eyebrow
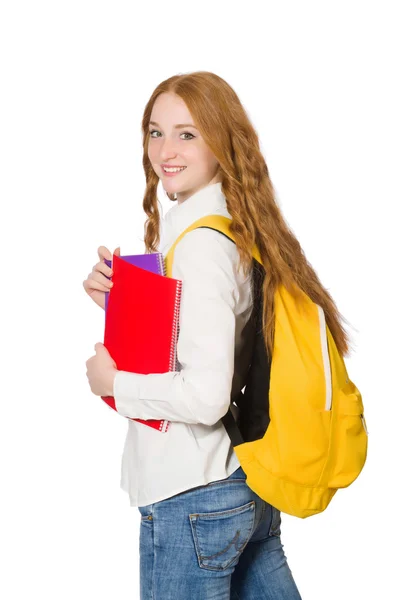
x=176, y=126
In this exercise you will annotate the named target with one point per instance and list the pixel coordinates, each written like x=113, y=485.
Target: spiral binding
x=161, y=263
x=175, y=326
x=164, y=426
x=175, y=332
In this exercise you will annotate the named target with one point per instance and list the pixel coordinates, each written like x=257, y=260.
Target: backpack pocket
x=351, y=402
x=349, y=438
x=220, y=537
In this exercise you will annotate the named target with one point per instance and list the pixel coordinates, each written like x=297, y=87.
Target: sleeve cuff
x=125, y=392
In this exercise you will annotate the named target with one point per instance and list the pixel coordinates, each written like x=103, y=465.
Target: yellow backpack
x=298, y=426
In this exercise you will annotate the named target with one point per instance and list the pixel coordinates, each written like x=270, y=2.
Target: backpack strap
x=220, y=223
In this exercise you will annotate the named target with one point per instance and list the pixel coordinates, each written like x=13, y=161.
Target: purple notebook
x=153, y=262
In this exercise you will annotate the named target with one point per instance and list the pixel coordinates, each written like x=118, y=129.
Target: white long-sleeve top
x=216, y=303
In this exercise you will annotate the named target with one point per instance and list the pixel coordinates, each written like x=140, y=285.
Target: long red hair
x=256, y=217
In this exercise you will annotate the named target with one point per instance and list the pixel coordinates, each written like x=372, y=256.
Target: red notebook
x=142, y=324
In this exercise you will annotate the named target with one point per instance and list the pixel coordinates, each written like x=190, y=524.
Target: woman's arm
x=200, y=391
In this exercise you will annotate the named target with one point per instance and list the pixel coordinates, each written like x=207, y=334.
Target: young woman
x=204, y=532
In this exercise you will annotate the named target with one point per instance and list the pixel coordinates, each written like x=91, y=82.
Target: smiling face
x=175, y=141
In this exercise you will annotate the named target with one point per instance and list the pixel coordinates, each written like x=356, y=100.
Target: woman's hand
x=97, y=282
x=101, y=371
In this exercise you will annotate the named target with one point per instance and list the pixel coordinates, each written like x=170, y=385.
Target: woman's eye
x=184, y=133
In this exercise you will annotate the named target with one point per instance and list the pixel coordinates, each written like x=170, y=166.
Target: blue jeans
x=219, y=541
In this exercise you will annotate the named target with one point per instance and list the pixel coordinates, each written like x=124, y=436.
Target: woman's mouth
x=171, y=172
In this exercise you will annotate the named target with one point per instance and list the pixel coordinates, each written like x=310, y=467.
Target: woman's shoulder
x=207, y=248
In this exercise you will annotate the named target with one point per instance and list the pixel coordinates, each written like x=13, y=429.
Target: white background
x=318, y=81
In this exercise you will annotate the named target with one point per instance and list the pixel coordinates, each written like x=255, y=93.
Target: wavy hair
x=250, y=197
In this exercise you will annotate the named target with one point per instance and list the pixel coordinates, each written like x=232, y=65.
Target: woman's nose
x=169, y=149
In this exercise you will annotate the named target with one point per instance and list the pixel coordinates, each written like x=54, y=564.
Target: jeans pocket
x=220, y=537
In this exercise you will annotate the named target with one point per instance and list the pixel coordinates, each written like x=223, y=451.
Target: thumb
x=117, y=251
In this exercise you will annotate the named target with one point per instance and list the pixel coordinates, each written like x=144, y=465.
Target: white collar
x=206, y=201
